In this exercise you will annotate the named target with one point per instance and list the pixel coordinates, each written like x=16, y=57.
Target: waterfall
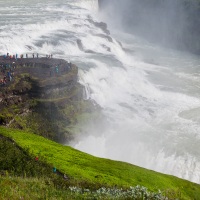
x=92, y=5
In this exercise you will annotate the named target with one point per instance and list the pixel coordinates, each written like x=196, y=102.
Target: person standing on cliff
x=56, y=69
x=4, y=80
x=33, y=55
x=9, y=76
x=37, y=55
x=26, y=55
x=54, y=169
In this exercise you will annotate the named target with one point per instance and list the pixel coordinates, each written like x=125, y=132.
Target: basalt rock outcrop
x=43, y=96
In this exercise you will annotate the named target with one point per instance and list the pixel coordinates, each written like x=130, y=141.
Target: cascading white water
x=149, y=95
x=151, y=123
x=91, y=5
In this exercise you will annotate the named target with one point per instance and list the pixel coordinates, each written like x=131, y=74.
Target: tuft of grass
x=30, y=188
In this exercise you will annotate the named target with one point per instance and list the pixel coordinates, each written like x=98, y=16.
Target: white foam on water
x=91, y=5
x=145, y=127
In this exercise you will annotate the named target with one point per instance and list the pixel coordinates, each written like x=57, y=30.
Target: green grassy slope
x=82, y=167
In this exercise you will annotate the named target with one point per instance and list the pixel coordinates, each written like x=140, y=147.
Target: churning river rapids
x=149, y=95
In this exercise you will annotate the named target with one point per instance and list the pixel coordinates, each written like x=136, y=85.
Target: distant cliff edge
x=41, y=95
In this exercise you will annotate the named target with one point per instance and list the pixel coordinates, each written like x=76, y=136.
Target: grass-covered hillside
x=19, y=149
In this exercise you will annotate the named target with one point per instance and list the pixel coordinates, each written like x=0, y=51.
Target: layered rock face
x=41, y=95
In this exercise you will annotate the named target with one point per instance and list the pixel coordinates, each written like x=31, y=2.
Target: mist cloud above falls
x=170, y=23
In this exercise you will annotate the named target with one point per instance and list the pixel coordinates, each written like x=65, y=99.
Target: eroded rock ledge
x=43, y=96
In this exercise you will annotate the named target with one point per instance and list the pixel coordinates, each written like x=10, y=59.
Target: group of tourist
x=57, y=70
x=7, y=70
x=54, y=169
x=6, y=73
x=16, y=56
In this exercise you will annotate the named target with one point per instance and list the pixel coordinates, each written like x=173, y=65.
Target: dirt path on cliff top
x=50, y=62
x=38, y=67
